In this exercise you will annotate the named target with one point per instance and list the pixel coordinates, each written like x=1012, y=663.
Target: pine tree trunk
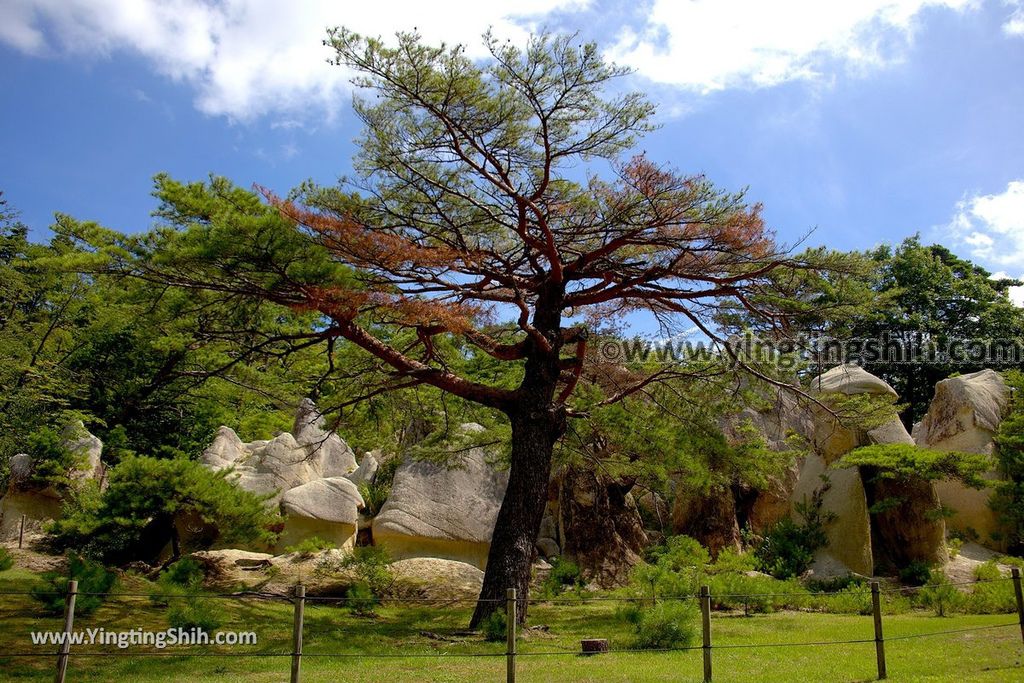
x=534, y=433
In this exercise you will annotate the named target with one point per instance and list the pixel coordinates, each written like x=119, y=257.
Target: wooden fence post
x=510, y=652
x=1020, y=599
x=21, y=532
x=300, y=604
x=69, y=622
x=876, y=610
x=705, y=613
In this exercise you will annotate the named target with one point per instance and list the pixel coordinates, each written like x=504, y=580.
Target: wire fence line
x=511, y=653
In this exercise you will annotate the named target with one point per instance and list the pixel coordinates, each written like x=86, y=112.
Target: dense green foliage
x=6, y=561
x=909, y=461
x=1008, y=498
x=926, y=295
x=787, y=549
x=146, y=501
x=93, y=581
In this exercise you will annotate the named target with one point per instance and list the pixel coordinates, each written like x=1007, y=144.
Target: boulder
x=442, y=511
x=548, y=547
x=19, y=469
x=708, y=517
x=964, y=415
x=326, y=508
x=778, y=422
x=432, y=578
x=80, y=442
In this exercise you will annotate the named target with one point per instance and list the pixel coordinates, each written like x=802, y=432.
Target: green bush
x=310, y=546
x=190, y=613
x=6, y=561
x=787, y=550
x=940, y=595
x=917, y=573
x=93, y=580
x=362, y=600
x=495, y=626
x=371, y=565
x=563, y=575
x=52, y=462
x=666, y=625
x=179, y=579
x=990, y=595
x=375, y=494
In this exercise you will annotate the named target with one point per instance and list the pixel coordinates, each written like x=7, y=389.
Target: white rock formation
x=367, y=470
x=325, y=508
x=443, y=512
x=964, y=415
x=286, y=461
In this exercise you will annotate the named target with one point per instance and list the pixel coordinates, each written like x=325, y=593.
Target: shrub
x=788, y=548
x=940, y=595
x=666, y=625
x=362, y=600
x=564, y=574
x=310, y=546
x=136, y=515
x=495, y=626
x=181, y=578
x=917, y=573
x=375, y=494
x=990, y=596
x=93, y=580
x=6, y=561
x=52, y=461
x=371, y=565
x=193, y=613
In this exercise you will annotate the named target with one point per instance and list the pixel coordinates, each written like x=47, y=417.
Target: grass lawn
x=433, y=633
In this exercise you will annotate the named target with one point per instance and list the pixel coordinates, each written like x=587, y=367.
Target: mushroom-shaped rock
x=325, y=508
x=850, y=379
x=832, y=438
x=439, y=511
x=964, y=415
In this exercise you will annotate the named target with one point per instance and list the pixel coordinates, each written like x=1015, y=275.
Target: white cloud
x=708, y=45
x=1014, y=25
x=992, y=225
x=247, y=58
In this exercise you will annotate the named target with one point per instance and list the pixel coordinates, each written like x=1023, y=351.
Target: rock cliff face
x=964, y=415
x=599, y=525
x=441, y=511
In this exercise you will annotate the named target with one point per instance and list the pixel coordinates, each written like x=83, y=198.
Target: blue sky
x=864, y=121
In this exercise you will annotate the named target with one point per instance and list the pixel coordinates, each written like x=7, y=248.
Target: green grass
x=986, y=655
